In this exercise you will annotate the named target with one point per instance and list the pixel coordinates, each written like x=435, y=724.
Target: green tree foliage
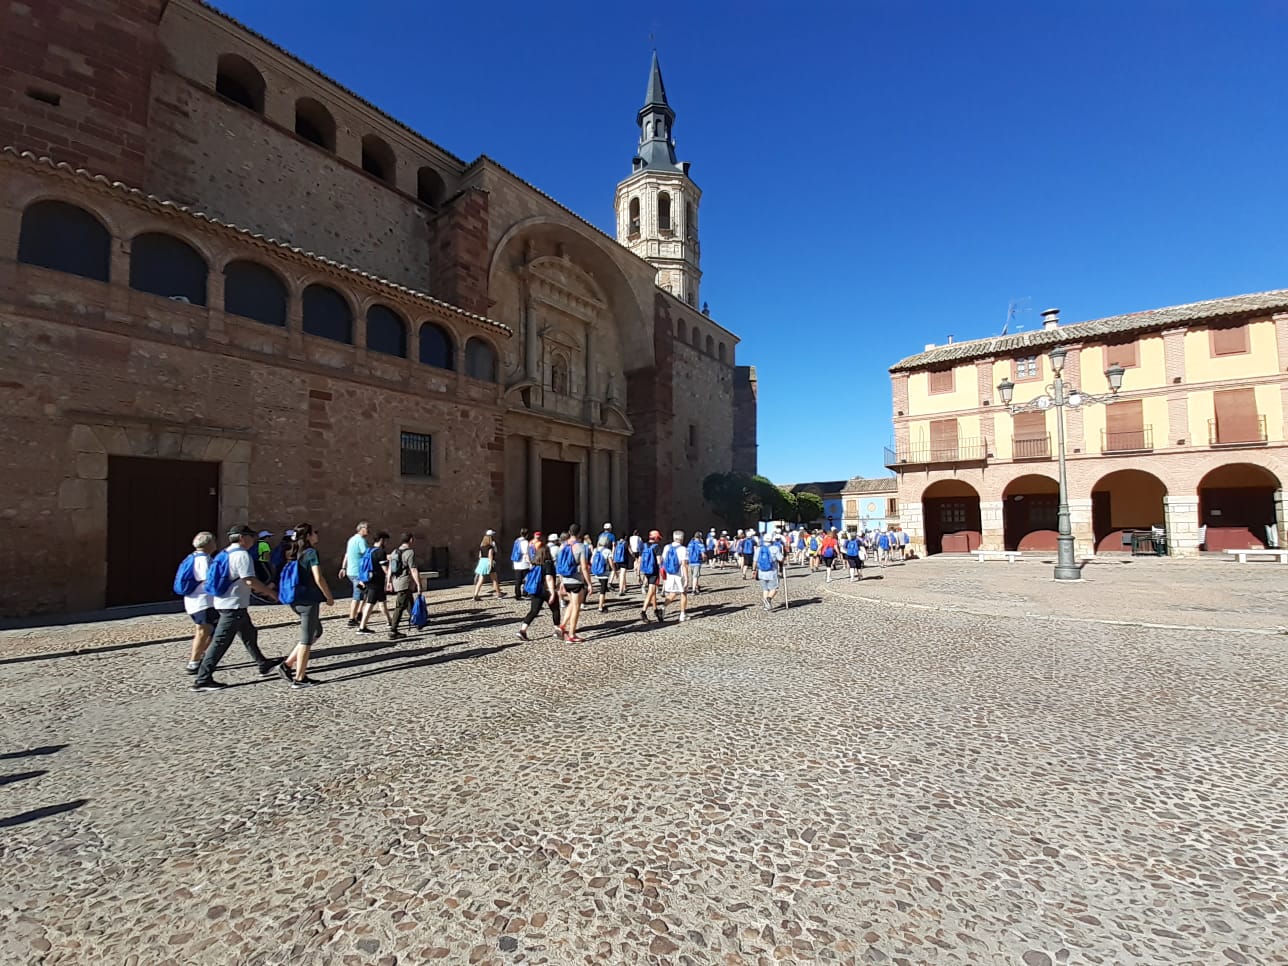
x=809, y=507
x=740, y=499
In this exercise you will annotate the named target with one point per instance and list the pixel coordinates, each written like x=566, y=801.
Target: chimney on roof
x=1051, y=319
x=950, y=341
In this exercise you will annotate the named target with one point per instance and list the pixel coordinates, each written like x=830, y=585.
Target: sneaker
x=574, y=639
x=351, y=623
x=365, y=630
x=192, y=667
x=211, y=685
x=308, y=682
x=768, y=606
x=396, y=635
x=285, y=672
x=660, y=614
x=644, y=616
x=523, y=636
x=269, y=667
x=683, y=617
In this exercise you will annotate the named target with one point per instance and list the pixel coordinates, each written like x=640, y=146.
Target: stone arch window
x=314, y=123
x=429, y=187
x=720, y=352
x=254, y=292
x=664, y=211
x=711, y=346
x=378, y=158
x=386, y=331
x=634, y=216
x=237, y=79
x=65, y=238
x=480, y=360
x=559, y=376
x=327, y=314
x=162, y=264
x=436, y=347
x=694, y=337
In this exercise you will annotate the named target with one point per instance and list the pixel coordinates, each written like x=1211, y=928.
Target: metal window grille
x=417, y=454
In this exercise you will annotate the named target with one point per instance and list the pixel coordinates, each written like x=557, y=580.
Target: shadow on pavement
x=110, y=648
x=21, y=776
x=32, y=752
x=439, y=659
x=22, y=818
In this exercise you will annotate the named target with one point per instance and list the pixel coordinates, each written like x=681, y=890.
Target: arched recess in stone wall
x=625, y=337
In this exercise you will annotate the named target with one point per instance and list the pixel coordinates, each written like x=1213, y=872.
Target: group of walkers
x=558, y=572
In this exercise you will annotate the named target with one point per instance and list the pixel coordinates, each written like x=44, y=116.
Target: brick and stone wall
x=702, y=398
x=745, y=447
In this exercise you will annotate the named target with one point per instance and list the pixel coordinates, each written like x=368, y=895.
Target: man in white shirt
x=199, y=604
x=233, y=606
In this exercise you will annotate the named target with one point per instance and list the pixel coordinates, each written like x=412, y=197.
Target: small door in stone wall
x=154, y=508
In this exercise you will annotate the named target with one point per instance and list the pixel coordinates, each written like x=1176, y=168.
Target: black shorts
x=747, y=558
x=374, y=593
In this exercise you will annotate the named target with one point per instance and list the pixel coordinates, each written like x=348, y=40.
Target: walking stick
x=787, y=603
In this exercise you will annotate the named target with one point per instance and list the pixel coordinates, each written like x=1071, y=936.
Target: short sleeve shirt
x=240, y=566
x=353, y=552
x=199, y=600
x=407, y=560
x=776, y=555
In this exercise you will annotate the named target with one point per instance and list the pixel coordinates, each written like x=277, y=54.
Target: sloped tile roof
x=1235, y=305
x=141, y=197
x=827, y=486
x=881, y=484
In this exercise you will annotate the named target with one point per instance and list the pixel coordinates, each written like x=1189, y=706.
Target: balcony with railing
x=1127, y=441
x=1237, y=432
x=967, y=450
x=1031, y=447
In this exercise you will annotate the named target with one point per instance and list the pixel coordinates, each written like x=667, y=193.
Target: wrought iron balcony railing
x=968, y=450
x=1127, y=441
x=1242, y=432
x=1031, y=447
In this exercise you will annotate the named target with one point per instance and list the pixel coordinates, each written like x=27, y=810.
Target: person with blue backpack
x=675, y=580
x=768, y=559
x=372, y=576
x=190, y=584
x=302, y=587
x=623, y=561
x=853, y=548
x=601, y=569
x=697, y=553
x=353, y=554
x=650, y=571
x=539, y=586
x=573, y=570
x=230, y=578
x=521, y=561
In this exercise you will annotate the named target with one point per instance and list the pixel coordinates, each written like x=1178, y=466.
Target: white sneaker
x=683, y=617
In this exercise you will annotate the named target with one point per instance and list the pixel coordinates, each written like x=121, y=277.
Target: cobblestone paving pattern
x=845, y=782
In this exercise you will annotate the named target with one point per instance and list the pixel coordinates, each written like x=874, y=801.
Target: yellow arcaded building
x=1194, y=443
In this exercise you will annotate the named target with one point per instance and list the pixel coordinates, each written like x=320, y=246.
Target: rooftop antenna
x=1014, y=309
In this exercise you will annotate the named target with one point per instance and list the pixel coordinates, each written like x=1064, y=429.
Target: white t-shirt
x=240, y=566
x=524, y=562
x=199, y=600
x=636, y=544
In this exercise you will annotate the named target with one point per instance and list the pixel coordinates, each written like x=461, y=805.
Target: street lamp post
x=1057, y=397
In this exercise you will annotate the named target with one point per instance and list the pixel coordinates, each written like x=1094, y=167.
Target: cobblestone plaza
x=956, y=763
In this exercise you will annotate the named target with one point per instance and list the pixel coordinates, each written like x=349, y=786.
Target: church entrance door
x=558, y=496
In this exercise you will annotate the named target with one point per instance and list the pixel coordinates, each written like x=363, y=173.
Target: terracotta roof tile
x=881, y=484
x=1235, y=305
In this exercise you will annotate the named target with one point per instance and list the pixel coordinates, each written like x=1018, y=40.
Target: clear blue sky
x=874, y=176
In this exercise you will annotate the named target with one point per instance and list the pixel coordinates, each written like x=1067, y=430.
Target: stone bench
x=1243, y=555
x=1010, y=556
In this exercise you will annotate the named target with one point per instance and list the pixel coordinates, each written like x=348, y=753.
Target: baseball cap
x=290, y=534
x=490, y=533
x=537, y=534
x=608, y=526
x=240, y=530
x=654, y=535
x=264, y=533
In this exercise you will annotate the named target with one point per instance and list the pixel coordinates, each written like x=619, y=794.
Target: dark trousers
x=232, y=623
x=519, y=577
x=540, y=599
x=402, y=605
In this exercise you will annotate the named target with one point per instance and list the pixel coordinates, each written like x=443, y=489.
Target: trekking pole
x=787, y=602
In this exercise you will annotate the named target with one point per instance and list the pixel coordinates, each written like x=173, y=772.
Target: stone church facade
x=231, y=289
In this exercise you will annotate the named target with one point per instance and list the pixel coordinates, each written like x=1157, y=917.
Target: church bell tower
x=657, y=206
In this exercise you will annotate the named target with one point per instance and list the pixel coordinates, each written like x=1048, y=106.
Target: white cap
x=290, y=534
x=266, y=533
x=608, y=526
x=490, y=533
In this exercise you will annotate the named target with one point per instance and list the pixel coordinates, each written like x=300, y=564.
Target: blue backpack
x=619, y=551
x=599, y=565
x=648, y=560
x=516, y=553
x=277, y=559
x=185, y=578
x=218, y=579
x=566, y=562
x=765, y=560
x=366, y=567
x=532, y=582
x=695, y=551
x=671, y=559
x=851, y=547
x=288, y=584
x=419, y=612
